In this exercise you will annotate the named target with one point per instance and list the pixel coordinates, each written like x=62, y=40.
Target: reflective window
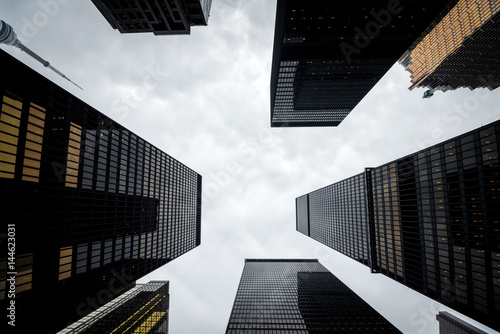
x=9, y=131
x=73, y=158
x=34, y=141
x=65, y=262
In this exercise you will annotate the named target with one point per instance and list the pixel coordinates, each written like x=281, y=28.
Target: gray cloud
x=204, y=99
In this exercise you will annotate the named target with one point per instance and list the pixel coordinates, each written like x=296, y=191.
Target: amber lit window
x=65, y=261
x=75, y=135
x=447, y=36
x=10, y=119
x=150, y=322
x=24, y=277
x=34, y=138
x=147, y=324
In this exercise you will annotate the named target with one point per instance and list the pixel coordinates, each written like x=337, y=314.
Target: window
x=108, y=249
x=118, y=249
x=96, y=255
x=34, y=138
x=88, y=159
x=10, y=118
x=81, y=258
x=73, y=159
x=65, y=262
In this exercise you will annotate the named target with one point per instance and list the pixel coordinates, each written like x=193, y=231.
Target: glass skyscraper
x=458, y=49
x=299, y=296
x=340, y=224
x=432, y=217
x=449, y=324
x=142, y=309
x=328, y=55
x=92, y=206
x=160, y=18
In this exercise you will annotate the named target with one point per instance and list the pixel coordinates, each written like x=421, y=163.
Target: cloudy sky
x=204, y=99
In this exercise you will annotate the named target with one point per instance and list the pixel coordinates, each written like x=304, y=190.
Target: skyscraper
x=459, y=49
x=342, y=223
x=433, y=218
x=91, y=205
x=159, y=17
x=328, y=55
x=299, y=296
x=449, y=324
x=142, y=309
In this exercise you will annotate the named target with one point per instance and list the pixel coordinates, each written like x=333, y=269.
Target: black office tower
x=329, y=54
x=338, y=217
x=459, y=49
x=91, y=206
x=299, y=296
x=142, y=309
x=433, y=219
x=449, y=324
x=159, y=17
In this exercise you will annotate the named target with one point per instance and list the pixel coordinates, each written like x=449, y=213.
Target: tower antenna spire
x=9, y=37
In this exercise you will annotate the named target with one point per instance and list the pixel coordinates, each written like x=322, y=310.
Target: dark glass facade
x=434, y=222
x=299, y=296
x=142, y=309
x=160, y=18
x=336, y=216
x=449, y=324
x=459, y=49
x=94, y=207
x=328, y=55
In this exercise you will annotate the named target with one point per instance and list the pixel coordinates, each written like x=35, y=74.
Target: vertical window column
x=65, y=262
x=10, y=119
x=73, y=159
x=124, y=173
x=88, y=159
x=102, y=160
x=82, y=258
x=113, y=160
x=34, y=139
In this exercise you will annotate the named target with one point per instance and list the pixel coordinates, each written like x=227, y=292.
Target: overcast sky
x=204, y=99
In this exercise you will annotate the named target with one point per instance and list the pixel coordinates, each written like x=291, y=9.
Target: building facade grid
x=434, y=222
x=458, y=49
x=336, y=216
x=450, y=324
x=327, y=58
x=142, y=309
x=158, y=17
x=91, y=201
x=299, y=296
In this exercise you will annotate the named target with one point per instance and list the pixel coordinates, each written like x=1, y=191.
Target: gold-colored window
x=24, y=277
x=10, y=118
x=448, y=35
x=34, y=139
x=150, y=322
x=65, y=262
x=73, y=159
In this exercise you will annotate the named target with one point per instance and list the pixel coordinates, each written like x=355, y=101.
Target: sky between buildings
x=204, y=99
